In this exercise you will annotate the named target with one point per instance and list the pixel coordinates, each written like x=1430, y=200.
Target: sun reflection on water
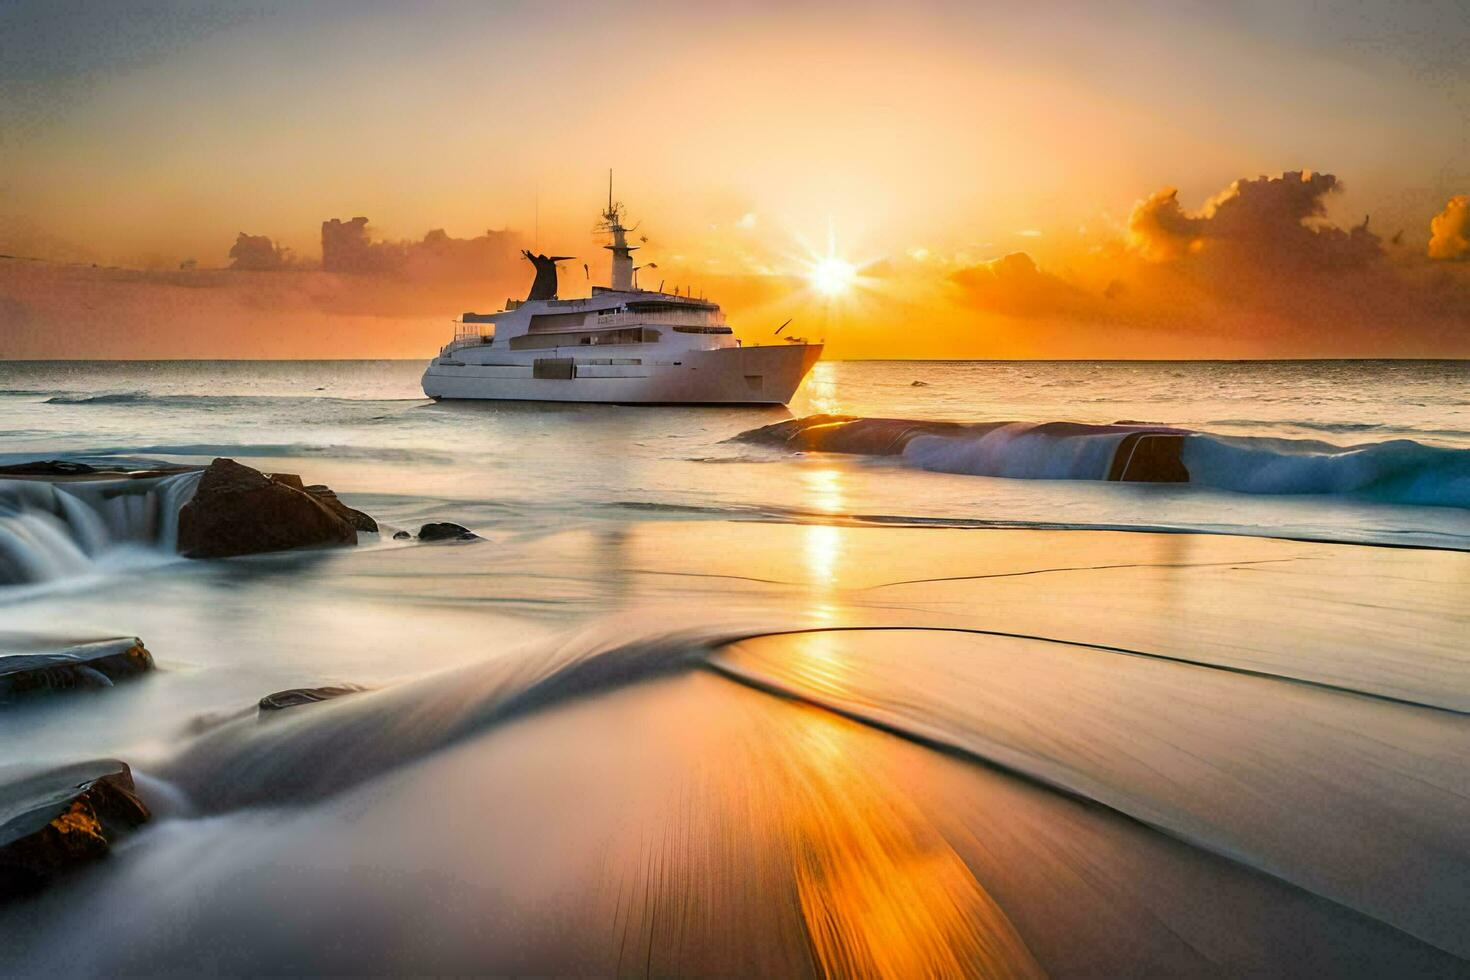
x=822, y=544
x=820, y=389
x=881, y=891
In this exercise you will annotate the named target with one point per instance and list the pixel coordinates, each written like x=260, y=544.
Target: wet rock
x=1149, y=457
x=306, y=695
x=445, y=531
x=402, y=536
x=61, y=470
x=47, y=467
x=54, y=819
x=30, y=665
x=918, y=384
x=356, y=518
x=241, y=511
x=847, y=434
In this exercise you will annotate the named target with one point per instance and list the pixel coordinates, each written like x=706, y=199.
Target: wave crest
x=1399, y=471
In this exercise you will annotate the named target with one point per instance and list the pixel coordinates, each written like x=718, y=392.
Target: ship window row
x=626, y=335
x=678, y=329
x=667, y=306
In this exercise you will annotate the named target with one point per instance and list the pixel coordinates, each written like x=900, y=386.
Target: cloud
x=1270, y=223
x=347, y=247
x=389, y=299
x=1259, y=265
x=1258, y=270
x=1449, y=231
x=1015, y=286
x=256, y=253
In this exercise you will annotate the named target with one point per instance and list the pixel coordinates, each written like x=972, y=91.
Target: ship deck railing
x=468, y=335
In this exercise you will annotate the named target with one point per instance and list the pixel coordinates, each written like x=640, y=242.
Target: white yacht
x=622, y=345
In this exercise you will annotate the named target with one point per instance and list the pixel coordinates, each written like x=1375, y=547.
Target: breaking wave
x=1399, y=471
x=51, y=531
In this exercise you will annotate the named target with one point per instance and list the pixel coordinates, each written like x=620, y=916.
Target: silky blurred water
x=992, y=747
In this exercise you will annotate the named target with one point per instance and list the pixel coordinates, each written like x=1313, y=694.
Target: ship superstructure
x=622, y=344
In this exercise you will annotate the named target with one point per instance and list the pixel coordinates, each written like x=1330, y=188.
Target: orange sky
x=923, y=143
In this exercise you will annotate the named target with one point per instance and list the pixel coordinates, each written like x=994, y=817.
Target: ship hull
x=727, y=376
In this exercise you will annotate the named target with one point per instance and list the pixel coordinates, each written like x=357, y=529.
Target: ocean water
x=1330, y=450
x=702, y=704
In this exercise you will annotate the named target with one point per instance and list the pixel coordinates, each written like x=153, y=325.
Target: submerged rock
x=306, y=695
x=52, y=820
x=402, y=536
x=44, y=666
x=238, y=510
x=445, y=531
x=211, y=720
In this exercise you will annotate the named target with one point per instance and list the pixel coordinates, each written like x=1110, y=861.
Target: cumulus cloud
x=1449, y=231
x=347, y=247
x=1277, y=221
x=1258, y=270
x=1014, y=285
x=256, y=253
x=1260, y=265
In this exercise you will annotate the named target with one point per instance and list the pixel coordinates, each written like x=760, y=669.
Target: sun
x=832, y=276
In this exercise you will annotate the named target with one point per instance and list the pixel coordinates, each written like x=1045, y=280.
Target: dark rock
x=401, y=536
x=306, y=695
x=918, y=384
x=1149, y=457
x=52, y=820
x=444, y=531
x=45, y=666
x=356, y=518
x=863, y=436
x=47, y=467
x=50, y=469
x=288, y=480
x=241, y=511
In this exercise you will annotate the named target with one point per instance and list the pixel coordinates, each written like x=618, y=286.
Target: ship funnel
x=545, y=284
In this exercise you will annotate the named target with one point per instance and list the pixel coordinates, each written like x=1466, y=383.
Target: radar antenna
x=612, y=224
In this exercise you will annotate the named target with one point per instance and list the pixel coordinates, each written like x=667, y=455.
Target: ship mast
x=612, y=224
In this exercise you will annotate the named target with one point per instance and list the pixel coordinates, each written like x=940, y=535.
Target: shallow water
x=592, y=743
